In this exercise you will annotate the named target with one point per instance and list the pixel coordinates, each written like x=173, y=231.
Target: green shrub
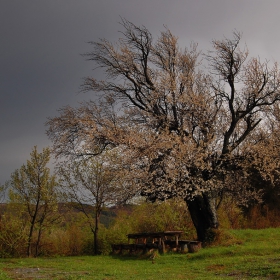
x=13, y=236
x=146, y=217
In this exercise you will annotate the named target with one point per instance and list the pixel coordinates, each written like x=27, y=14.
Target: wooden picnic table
x=160, y=238
x=162, y=241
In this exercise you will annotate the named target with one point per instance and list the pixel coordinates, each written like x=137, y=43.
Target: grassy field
x=250, y=254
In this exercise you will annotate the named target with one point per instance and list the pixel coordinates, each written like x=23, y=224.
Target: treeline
x=70, y=234
x=48, y=215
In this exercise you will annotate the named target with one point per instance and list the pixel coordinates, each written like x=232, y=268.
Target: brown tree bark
x=29, y=249
x=204, y=215
x=96, y=231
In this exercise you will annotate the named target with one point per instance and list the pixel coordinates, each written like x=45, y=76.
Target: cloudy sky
x=41, y=67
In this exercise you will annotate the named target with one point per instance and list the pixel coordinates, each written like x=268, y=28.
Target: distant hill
x=107, y=215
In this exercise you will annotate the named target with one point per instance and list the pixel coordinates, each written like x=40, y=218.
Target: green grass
x=253, y=254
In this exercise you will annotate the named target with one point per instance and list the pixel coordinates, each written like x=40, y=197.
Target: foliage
x=13, y=235
x=72, y=235
x=34, y=188
x=231, y=214
x=3, y=190
x=70, y=241
x=161, y=216
x=260, y=216
x=147, y=217
x=96, y=182
x=182, y=130
x=257, y=257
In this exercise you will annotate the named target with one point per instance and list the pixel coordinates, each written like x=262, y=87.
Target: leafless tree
x=93, y=182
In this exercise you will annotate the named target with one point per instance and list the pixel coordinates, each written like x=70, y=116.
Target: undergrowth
x=243, y=254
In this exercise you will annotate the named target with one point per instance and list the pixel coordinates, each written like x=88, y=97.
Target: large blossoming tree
x=184, y=125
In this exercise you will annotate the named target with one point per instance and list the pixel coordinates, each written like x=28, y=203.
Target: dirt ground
x=42, y=274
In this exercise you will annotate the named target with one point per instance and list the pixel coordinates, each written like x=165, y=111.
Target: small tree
x=96, y=182
x=34, y=188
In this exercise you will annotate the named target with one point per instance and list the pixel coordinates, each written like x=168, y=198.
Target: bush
x=146, y=217
x=230, y=215
x=163, y=216
x=260, y=217
x=13, y=236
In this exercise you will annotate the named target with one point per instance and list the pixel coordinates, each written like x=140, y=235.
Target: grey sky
x=41, y=68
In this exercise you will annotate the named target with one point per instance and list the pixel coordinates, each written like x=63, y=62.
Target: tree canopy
x=36, y=189
x=185, y=124
x=94, y=181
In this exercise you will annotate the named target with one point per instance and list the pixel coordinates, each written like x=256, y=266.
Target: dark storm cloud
x=41, y=42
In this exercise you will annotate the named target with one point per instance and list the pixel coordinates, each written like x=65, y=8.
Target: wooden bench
x=184, y=246
x=130, y=248
x=192, y=246
x=118, y=248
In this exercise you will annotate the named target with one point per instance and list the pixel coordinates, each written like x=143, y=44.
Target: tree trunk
x=96, y=229
x=204, y=216
x=38, y=241
x=29, y=240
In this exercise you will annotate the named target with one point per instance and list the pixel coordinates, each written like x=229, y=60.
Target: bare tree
x=183, y=131
x=96, y=182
